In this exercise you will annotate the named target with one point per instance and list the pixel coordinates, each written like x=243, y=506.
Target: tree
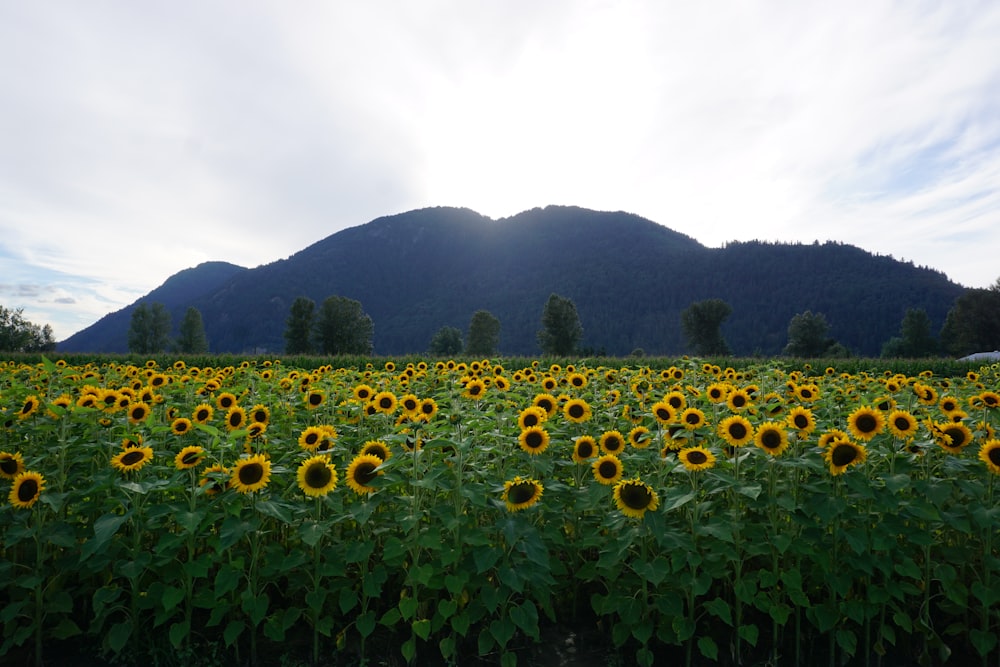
x=299, y=326
x=343, y=328
x=484, y=334
x=701, y=322
x=561, y=329
x=192, y=339
x=20, y=335
x=807, y=335
x=973, y=323
x=446, y=342
x=149, y=330
x=915, y=339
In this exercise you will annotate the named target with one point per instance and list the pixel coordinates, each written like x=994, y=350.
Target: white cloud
x=146, y=138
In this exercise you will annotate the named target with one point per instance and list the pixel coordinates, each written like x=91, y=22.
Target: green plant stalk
x=39, y=590
x=737, y=545
x=315, y=584
x=987, y=567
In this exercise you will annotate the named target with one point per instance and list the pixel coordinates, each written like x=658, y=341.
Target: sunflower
x=717, y=392
x=612, y=442
x=225, y=400
x=736, y=430
x=251, y=474
x=584, y=448
x=693, y=418
x=385, y=402
x=546, y=402
x=520, y=493
x=696, y=458
x=428, y=409
x=11, y=464
x=676, y=400
x=664, y=412
x=260, y=413
x=771, y=437
x=410, y=405
x=607, y=469
x=843, y=453
x=474, y=389
x=311, y=437
x=132, y=458
x=317, y=477
x=801, y=419
x=377, y=448
x=577, y=410
x=180, y=426
x=26, y=489
x=865, y=422
x=363, y=393
x=361, y=471
x=951, y=436
x=807, y=393
x=534, y=440
x=189, y=457
x=29, y=408
x=236, y=417
x=531, y=416
x=138, y=412
x=738, y=400
x=989, y=454
x=990, y=399
x=949, y=404
x=203, y=413
x=639, y=437
x=215, y=479
x=902, y=424
x=926, y=394
x=634, y=498
x=832, y=436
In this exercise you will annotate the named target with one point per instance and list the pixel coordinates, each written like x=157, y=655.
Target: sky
x=138, y=139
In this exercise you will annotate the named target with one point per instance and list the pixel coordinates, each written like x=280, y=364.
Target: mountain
x=110, y=333
x=630, y=279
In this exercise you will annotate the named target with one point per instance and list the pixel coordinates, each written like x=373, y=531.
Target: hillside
x=629, y=277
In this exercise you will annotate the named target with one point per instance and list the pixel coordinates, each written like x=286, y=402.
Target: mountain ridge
x=630, y=277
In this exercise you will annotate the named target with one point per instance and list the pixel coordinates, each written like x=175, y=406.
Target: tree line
x=340, y=326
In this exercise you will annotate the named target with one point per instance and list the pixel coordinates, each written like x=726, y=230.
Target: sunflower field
x=471, y=513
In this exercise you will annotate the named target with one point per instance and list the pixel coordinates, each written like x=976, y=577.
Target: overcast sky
x=143, y=138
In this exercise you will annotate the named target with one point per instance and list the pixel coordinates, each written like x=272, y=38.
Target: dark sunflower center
x=948, y=406
x=138, y=413
x=364, y=473
x=226, y=403
x=545, y=405
x=8, y=466
x=27, y=490
x=318, y=475
x=738, y=430
x=202, y=415
x=696, y=458
x=994, y=456
x=607, y=469
x=260, y=416
x=475, y=389
x=663, y=414
x=315, y=399
x=675, y=402
x=190, y=458
x=739, y=401
x=132, y=458
x=251, y=474
x=410, y=405
x=385, y=403
x=576, y=411
x=693, y=418
x=312, y=438
x=771, y=439
x=805, y=394
x=531, y=419
x=534, y=440
x=957, y=436
x=377, y=451
x=585, y=450
x=866, y=423
x=180, y=426
x=427, y=408
x=990, y=401
x=521, y=492
x=843, y=454
x=235, y=419
x=902, y=423
x=801, y=421
x=613, y=444
x=636, y=496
